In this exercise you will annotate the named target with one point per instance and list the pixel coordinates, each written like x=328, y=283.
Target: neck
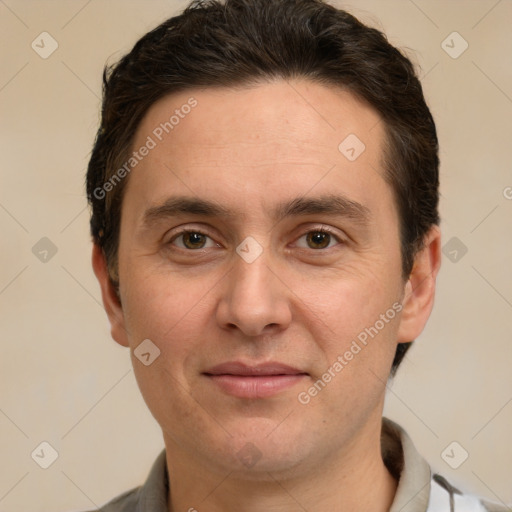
x=354, y=478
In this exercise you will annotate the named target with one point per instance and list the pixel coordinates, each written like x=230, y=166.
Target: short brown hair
x=237, y=42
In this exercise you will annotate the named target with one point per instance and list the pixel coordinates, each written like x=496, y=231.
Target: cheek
x=346, y=300
x=174, y=314
x=357, y=348
x=166, y=309
x=354, y=314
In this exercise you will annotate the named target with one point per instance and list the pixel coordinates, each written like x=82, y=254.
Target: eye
x=318, y=239
x=192, y=240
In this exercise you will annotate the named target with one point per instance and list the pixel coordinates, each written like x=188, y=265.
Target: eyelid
x=322, y=228
x=325, y=229
x=174, y=233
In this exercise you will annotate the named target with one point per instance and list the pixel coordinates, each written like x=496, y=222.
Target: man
x=264, y=192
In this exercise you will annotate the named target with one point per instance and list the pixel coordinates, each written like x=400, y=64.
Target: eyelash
x=322, y=230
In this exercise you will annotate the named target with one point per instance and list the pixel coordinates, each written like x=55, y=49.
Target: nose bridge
x=254, y=300
x=252, y=278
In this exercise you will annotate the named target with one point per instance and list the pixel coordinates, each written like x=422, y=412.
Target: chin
x=266, y=447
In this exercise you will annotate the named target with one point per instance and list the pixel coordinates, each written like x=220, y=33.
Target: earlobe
x=419, y=290
x=109, y=296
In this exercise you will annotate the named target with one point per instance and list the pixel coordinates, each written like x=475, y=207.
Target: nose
x=254, y=300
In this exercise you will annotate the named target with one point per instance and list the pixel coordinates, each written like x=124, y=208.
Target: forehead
x=251, y=144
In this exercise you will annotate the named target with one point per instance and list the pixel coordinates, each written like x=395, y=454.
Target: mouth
x=254, y=381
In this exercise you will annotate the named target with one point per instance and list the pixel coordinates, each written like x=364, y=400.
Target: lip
x=254, y=370
x=254, y=381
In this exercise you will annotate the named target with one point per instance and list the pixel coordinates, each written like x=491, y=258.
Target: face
x=262, y=260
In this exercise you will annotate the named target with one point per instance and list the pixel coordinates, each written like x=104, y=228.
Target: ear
x=420, y=288
x=110, y=300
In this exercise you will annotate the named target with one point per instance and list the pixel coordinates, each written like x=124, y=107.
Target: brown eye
x=193, y=240
x=318, y=239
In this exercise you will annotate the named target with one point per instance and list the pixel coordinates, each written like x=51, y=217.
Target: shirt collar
x=407, y=466
x=153, y=494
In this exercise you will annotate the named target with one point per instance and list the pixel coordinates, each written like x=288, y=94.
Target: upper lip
x=239, y=368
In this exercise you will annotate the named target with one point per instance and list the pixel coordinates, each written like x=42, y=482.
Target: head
x=257, y=118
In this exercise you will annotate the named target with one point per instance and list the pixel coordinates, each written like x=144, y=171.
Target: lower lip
x=262, y=386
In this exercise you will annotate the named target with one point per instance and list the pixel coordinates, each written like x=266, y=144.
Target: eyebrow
x=327, y=204
x=183, y=205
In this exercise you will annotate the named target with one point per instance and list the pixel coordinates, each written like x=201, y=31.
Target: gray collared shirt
x=419, y=490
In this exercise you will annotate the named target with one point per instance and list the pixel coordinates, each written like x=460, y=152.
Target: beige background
x=64, y=381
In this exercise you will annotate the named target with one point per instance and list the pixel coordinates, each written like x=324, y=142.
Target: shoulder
x=152, y=496
x=444, y=496
x=494, y=507
x=419, y=488
x=126, y=502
